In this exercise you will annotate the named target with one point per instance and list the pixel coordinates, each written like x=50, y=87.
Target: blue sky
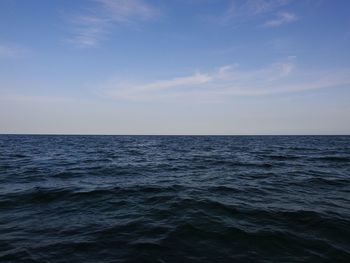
x=175, y=67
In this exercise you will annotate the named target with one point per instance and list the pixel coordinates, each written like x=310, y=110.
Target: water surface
x=174, y=198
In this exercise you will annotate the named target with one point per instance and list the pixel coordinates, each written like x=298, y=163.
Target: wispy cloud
x=11, y=51
x=256, y=7
x=228, y=81
x=97, y=23
x=193, y=80
x=249, y=9
x=282, y=18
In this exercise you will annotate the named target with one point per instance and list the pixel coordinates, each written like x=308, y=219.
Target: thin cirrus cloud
x=97, y=23
x=229, y=81
x=11, y=51
x=282, y=18
x=249, y=9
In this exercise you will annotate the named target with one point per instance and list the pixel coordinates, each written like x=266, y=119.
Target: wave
x=174, y=199
x=334, y=159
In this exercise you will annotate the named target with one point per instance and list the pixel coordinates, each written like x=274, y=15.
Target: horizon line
x=99, y=134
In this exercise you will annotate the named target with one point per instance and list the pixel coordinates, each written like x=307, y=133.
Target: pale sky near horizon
x=175, y=67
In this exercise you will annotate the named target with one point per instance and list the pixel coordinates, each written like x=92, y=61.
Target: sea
x=72, y=198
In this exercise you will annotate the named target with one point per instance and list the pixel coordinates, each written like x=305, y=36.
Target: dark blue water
x=174, y=198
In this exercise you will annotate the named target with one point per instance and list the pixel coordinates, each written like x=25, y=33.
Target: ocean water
x=174, y=198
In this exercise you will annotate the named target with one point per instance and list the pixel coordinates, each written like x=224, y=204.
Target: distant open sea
x=174, y=198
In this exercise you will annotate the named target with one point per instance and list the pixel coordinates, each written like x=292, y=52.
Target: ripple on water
x=174, y=198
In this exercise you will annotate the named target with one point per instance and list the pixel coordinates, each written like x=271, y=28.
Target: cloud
x=95, y=25
x=193, y=80
x=282, y=18
x=256, y=7
x=228, y=81
x=128, y=10
x=11, y=51
x=246, y=10
x=13, y=97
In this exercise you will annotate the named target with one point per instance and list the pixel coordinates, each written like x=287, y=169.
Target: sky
x=230, y=67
